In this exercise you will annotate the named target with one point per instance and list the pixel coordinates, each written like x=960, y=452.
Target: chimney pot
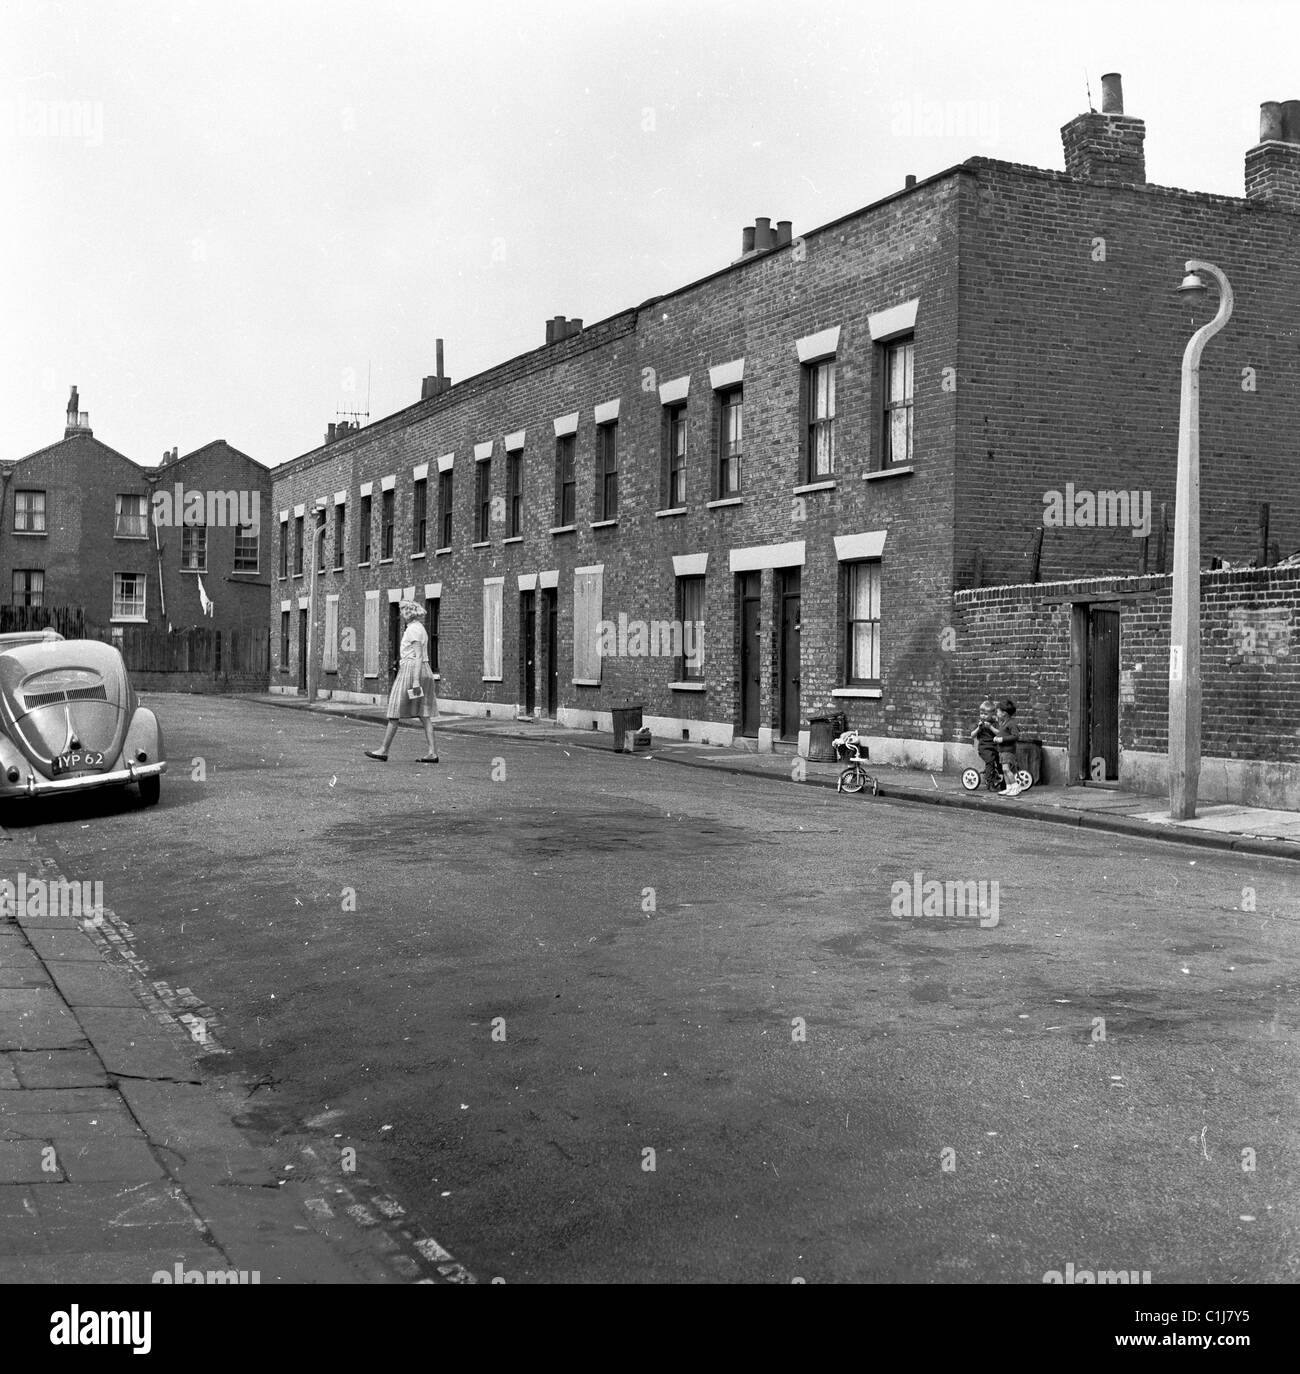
x=762, y=233
x=909, y=181
x=438, y=353
x=331, y=434
x=550, y=331
x=1291, y=121
x=747, y=239
x=783, y=228
x=575, y=326
x=1112, y=94
x=1270, y=121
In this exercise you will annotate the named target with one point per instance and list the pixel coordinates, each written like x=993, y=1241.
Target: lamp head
x=1193, y=284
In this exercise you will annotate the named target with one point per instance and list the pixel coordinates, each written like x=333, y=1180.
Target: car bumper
x=36, y=786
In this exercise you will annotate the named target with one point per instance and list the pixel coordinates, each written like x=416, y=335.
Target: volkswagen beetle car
x=70, y=720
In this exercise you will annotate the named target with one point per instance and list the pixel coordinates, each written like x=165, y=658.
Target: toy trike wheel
x=853, y=779
x=970, y=779
x=1025, y=778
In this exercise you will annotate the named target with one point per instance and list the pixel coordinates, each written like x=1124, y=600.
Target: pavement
x=1238, y=829
x=120, y=1158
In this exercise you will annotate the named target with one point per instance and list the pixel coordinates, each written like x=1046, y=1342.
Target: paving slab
x=131, y=1043
x=8, y=1073
x=108, y=1158
x=63, y=1099
x=106, y=1266
x=51, y=1028
x=27, y=1161
x=83, y=984
x=57, y=1069
x=63, y=945
x=188, y=1121
x=66, y=1126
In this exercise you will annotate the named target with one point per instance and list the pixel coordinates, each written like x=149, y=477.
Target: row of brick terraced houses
x=919, y=454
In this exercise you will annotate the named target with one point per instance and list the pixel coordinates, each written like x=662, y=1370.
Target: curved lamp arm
x=1196, y=344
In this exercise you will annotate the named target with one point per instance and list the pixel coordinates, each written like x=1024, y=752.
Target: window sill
x=586, y=681
x=138, y=538
x=365, y=563
x=491, y=679
x=297, y=577
x=129, y=620
x=198, y=571
x=904, y=470
x=481, y=544
x=250, y=572
x=827, y=485
x=438, y=553
x=338, y=567
x=563, y=529
x=688, y=687
x=603, y=524
x=424, y=553
x=32, y=534
x=726, y=501
x=870, y=692
x=672, y=510
x=383, y=562
x=513, y=539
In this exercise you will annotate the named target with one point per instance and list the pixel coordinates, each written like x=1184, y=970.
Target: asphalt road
x=598, y=1017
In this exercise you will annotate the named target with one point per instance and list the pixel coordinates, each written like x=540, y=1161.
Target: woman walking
x=413, y=693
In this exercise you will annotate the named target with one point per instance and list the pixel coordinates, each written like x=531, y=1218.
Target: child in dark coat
x=1006, y=738
x=982, y=736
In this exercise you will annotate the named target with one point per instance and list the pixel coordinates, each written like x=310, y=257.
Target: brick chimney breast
x=1106, y=148
x=1273, y=164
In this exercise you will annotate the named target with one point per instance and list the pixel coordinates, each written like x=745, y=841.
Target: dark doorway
x=394, y=638
x=551, y=627
x=750, y=591
x=302, y=650
x=789, y=659
x=528, y=648
x=1102, y=753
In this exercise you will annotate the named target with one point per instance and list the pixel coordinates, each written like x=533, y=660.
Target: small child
x=1006, y=738
x=983, y=735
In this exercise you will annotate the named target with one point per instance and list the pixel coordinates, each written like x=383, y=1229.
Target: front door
x=789, y=658
x=1103, y=694
x=751, y=680
x=302, y=650
x=551, y=625
x=394, y=639
x=528, y=655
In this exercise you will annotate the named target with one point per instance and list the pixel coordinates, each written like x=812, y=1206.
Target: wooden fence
x=191, y=659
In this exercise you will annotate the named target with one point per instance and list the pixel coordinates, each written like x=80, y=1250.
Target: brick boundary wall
x=1015, y=640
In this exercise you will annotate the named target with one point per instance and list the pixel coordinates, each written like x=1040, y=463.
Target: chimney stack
x=1273, y=164
x=76, y=421
x=437, y=384
x=331, y=434
x=909, y=181
x=1106, y=148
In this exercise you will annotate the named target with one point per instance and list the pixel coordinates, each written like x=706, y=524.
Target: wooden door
x=551, y=625
x=750, y=659
x=1103, y=693
x=789, y=657
x=528, y=656
x=302, y=650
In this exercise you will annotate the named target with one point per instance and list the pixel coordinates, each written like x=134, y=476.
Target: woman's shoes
x=375, y=754
x=428, y=758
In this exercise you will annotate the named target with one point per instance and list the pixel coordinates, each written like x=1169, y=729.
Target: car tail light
x=12, y=773
x=141, y=756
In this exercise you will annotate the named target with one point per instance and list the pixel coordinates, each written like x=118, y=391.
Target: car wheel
x=970, y=779
x=150, y=790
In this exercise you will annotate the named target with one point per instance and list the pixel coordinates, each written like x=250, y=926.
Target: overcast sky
x=247, y=207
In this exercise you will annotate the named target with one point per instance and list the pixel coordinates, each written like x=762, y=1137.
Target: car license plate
x=78, y=762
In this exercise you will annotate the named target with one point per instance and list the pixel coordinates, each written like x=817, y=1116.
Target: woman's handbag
x=415, y=693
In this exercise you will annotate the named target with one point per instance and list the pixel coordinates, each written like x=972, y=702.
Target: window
x=819, y=459
x=898, y=402
x=28, y=587
x=420, y=516
x=363, y=531
x=128, y=596
x=340, y=531
x=330, y=648
x=444, y=509
x=607, y=472
x=194, y=548
x=29, y=512
x=386, y=525
x=674, y=493
x=483, y=500
x=284, y=641
x=247, y=550
x=130, y=520
x=587, y=600
x=690, y=614
x=297, y=546
x=284, y=548
x=565, y=491
x=431, y=624
x=862, y=624
x=493, y=589
x=731, y=440
x=515, y=492
x=318, y=537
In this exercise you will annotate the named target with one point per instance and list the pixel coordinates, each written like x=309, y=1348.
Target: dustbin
x=626, y=717
x=819, y=740
x=1029, y=755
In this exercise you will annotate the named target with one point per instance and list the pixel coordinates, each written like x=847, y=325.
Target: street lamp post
x=1185, y=625
x=317, y=539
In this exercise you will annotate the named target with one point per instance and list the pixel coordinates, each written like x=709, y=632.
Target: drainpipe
x=162, y=591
